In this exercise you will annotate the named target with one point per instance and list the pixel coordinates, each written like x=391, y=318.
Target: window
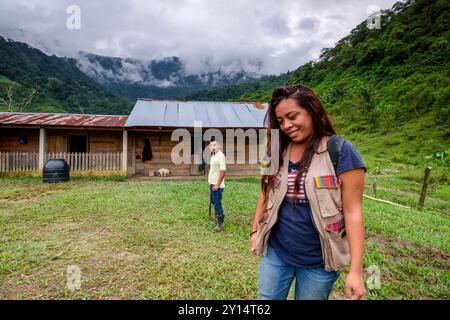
x=23, y=139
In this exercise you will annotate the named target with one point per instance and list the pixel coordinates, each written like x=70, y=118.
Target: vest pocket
x=328, y=203
x=340, y=253
x=328, y=195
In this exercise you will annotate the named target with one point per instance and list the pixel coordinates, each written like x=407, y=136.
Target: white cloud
x=282, y=34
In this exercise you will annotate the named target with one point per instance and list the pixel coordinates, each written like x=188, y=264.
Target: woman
x=308, y=222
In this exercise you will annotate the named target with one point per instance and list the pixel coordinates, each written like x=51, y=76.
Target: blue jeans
x=276, y=276
x=216, y=200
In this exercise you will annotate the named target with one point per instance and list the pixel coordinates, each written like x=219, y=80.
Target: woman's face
x=294, y=120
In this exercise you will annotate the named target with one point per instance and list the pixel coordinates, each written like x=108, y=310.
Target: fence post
x=42, y=137
x=374, y=187
x=83, y=162
x=124, y=151
x=423, y=193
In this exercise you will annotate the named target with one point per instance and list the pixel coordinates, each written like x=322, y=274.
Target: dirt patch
x=21, y=199
x=405, y=254
x=415, y=268
x=126, y=256
x=402, y=251
x=105, y=271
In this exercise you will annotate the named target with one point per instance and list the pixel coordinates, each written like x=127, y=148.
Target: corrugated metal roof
x=61, y=119
x=170, y=113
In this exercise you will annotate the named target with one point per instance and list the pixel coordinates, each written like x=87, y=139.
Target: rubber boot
x=219, y=223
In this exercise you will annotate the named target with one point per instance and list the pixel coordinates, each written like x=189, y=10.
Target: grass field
x=153, y=240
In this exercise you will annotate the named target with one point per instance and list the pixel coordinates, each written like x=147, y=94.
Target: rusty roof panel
x=61, y=119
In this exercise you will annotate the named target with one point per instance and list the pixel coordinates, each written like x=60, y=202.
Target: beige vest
x=325, y=203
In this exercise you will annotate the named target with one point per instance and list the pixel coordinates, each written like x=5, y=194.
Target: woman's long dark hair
x=322, y=127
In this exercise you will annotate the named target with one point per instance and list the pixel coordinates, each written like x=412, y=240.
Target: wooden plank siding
x=10, y=140
x=98, y=141
x=105, y=142
x=162, y=147
x=56, y=140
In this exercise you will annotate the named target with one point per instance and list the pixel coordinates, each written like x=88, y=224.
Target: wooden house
x=86, y=142
x=116, y=143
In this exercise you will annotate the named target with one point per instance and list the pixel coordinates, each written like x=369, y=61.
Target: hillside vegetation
x=376, y=76
x=51, y=83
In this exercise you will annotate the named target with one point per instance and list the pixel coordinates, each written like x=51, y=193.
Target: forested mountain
x=50, y=84
x=386, y=80
x=239, y=92
x=378, y=77
x=162, y=79
x=32, y=81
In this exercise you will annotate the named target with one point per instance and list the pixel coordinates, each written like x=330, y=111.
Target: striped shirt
x=290, y=194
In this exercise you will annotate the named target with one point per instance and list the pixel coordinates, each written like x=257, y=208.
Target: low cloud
x=267, y=36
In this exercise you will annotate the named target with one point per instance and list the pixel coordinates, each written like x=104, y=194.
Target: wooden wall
x=57, y=140
x=162, y=147
x=245, y=169
x=98, y=141
x=10, y=140
x=105, y=141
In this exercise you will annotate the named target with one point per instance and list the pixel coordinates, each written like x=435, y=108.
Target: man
x=216, y=181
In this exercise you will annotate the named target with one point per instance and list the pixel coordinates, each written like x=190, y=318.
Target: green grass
x=152, y=240
x=396, y=160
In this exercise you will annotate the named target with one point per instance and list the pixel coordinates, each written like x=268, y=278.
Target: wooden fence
x=90, y=161
x=18, y=161
x=28, y=161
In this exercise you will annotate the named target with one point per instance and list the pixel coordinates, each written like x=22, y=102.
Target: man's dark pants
x=216, y=200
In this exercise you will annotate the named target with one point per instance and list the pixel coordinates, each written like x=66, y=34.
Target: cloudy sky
x=278, y=35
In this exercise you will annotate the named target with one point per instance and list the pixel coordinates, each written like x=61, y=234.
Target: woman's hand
x=253, y=243
x=354, y=286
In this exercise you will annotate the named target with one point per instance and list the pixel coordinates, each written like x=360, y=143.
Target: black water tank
x=56, y=170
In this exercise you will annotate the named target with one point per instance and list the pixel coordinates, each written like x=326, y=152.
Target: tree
x=12, y=99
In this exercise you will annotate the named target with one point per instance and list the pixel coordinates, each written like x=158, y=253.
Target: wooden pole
x=125, y=151
x=375, y=187
x=423, y=193
x=41, y=150
x=385, y=201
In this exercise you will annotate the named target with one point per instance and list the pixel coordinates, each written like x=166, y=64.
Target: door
x=77, y=144
x=56, y=143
